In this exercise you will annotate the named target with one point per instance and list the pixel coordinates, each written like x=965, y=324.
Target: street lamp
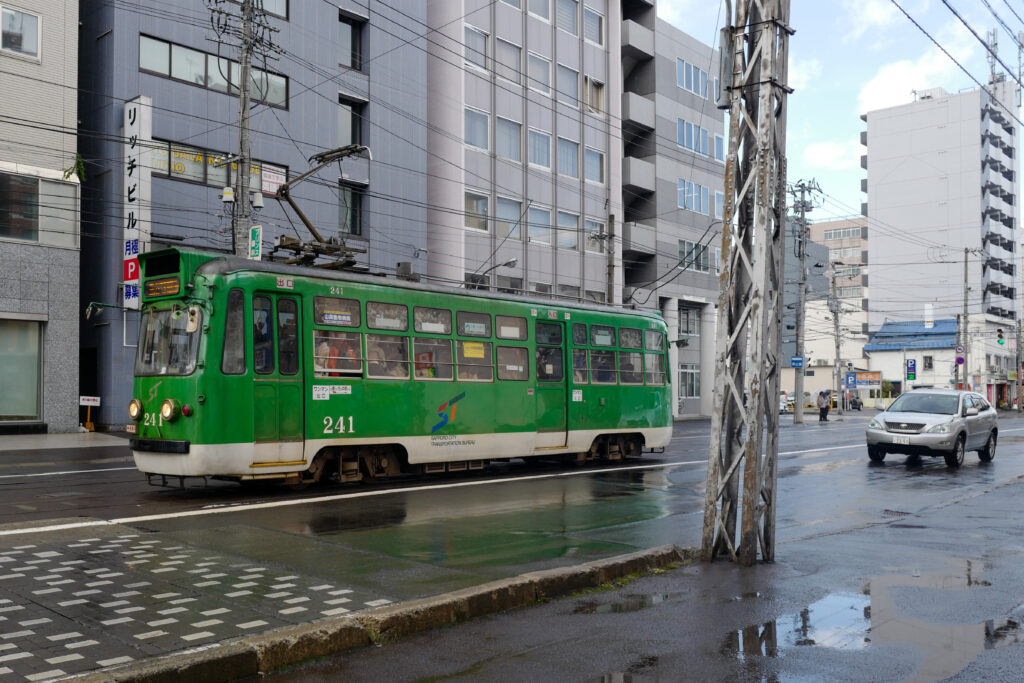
x=507, y=264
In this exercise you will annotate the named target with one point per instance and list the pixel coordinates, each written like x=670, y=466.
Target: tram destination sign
x=165, y=286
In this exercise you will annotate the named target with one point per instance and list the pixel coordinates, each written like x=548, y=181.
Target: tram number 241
x=337, y=425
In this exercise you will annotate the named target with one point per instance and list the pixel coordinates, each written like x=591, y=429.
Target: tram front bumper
x=160, y=446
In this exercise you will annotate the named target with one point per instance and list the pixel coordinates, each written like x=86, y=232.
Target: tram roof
x=224, y=265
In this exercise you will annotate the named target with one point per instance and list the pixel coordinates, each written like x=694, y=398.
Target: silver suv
x=935, y=422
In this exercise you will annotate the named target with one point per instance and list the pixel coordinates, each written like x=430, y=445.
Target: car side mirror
x=970, y=412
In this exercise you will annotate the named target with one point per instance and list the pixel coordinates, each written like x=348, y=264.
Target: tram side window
x=630, y=369
x=549, y=364
x=602, y=335
x=473, y=324
x=602, y=367
x=513, y=362
x=262, y=335
x=330, y=310
x=655, y=368
x=336, y=353
x=579, y=334
x=288, y=336
x=629, y=338
x=432, y=321
x=381, y=316
x=579, y=366
x=510, y=327
x=432, y=358
x=232, y=361
x=387, y=356
x=549, y=333
x=474, y=361
x=654, y=340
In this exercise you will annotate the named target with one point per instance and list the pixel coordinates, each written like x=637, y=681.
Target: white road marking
x=54, y=474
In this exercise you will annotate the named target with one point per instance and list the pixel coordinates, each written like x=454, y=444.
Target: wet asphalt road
x=431, y=535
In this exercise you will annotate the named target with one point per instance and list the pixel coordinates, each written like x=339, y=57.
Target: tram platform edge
x=249, y=656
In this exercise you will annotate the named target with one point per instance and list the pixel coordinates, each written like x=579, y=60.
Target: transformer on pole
x=746, y=387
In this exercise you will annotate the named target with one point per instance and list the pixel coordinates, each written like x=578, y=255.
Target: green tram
x=250, y=370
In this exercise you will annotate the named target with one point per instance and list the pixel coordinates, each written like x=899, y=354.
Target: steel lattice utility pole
x=755, y=56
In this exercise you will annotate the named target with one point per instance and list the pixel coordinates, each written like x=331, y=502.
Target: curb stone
x=251, y=656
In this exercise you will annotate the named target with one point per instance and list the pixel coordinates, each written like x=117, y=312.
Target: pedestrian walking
x=822, y=407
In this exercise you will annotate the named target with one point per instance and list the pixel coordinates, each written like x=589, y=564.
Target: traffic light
x=999, y=336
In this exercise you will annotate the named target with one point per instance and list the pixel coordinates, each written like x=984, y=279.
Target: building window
x=693, y=256
x=689, y=322
x=594, y=296
x=20, y=359
x=540, y=149
x=350, y=122
x=929, y=363
x=691, y=78
x=842, y=234
x=510, y=285
x=541, y=289
x=514, y=3
x=205, y=70
x=193, y=164
x=506, y=60
x=849, y=292
x=692, y=137
x=350, y=41
x=689, y=380
x=719, y=204
x=476, y=281
x=476, y=129
x=718, y=260
x=568, y=86
x=19, y=210
x=541, y=8
x=593, y=26
x=538, y=70
x=570, y=292
x=692, y=197
x=568, y=232
x=566, y=18
x=507, y=135
x=844, y=252
x=593, y=94
x=476, y=47
x=21, y=32
x=476, y=211
x=508, y=214
x=593, y=236
x=568, y=157
x=539, y=221
x=350, y=211
x=719, y=148
x=593, y=165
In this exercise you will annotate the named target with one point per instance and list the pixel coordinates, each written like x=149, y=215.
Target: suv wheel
x=989, y=451
x=955, y=458
x=876, y=454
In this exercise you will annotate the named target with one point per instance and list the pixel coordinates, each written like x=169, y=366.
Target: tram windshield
x=168, y=342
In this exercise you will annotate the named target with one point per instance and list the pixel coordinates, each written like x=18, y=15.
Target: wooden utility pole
x=755, y=57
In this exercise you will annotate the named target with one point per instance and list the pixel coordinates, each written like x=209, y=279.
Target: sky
x=849, y=57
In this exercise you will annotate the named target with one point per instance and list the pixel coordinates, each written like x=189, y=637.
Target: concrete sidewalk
x=36, y=442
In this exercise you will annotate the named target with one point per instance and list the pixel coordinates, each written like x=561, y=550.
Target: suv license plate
x=901, y=440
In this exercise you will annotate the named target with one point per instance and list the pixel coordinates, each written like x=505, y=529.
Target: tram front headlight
x=135, y=409
x=170, y=409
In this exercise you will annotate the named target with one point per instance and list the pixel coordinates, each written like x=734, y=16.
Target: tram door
x=552, y=386
x=277, y=382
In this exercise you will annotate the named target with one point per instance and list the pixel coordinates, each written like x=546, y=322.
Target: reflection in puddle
x=631, y=603
x=843, y=621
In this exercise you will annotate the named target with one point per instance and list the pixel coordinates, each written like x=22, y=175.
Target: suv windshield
x=941, y=404
x=168, y=342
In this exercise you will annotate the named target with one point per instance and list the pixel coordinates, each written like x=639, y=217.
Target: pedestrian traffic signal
x=999, y=336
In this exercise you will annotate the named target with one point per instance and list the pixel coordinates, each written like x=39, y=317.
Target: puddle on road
x=631, y=603
x=843, y=621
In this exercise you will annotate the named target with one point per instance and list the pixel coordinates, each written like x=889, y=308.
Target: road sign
x=255, y=242
x=796, y=362
x=959, y=350
x=911, y=369
x=851, y=380
x=959, y=360
x=88, y=400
